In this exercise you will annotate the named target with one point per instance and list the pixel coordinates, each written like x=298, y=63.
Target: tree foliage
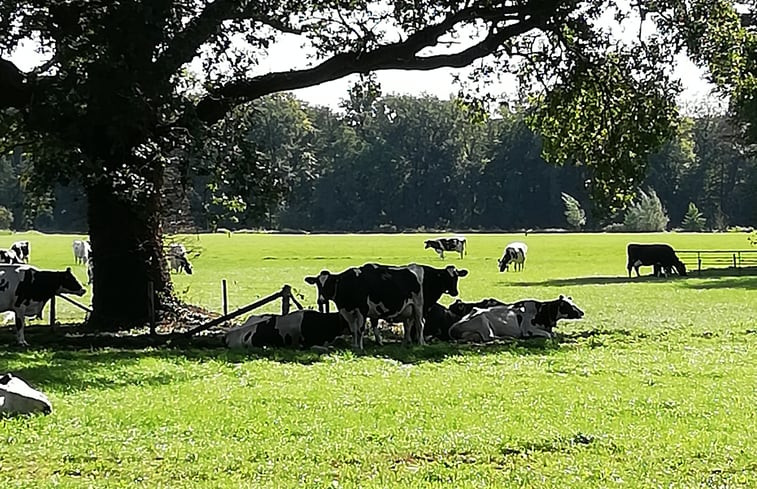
x=646, y=214
x=574, y=214
x=693, y=220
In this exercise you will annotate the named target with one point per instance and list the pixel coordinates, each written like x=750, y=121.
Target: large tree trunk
x=127, y=249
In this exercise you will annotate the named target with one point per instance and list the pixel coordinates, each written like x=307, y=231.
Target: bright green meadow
x=655, y=387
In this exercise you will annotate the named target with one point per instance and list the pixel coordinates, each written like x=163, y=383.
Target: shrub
x=647, y=214
x=693, y=220
x=575, y=216
x=6, y=218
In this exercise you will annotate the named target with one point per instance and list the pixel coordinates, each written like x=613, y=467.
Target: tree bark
x=127, y=248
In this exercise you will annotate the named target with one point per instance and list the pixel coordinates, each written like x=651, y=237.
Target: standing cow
x=177, y=259
x=25, y=290
x=23, y=250
x=440, y=245
x=82, y=249
x=515, y=253
x=661, y=257
x=394, y=294
x=9, y=257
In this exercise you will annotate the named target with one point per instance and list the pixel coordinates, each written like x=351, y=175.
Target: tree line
x=397, y=162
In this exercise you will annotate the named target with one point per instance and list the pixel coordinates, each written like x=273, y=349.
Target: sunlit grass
x=654, y=388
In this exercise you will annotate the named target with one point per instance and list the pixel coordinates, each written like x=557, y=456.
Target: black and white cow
x=299, y=329
x=515, y=253
x=82, y=249
x=461, y=308
x=25, y=290
x=177, y=259
x=440, y=245
x=545, y=314
x=18, y=397
x=394, y=294
x=660, y=256
x=523, y=319
x=22, y=249
x=9, y=257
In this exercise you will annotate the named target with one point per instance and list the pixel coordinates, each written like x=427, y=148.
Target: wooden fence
x=700, y=259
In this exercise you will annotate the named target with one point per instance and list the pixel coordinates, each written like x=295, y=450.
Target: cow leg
x=376, y=332
x=20, y=330
x=441, y=254
x=356, y=320
x=420, y=323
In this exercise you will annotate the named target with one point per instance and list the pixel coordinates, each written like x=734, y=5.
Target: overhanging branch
x=14, y=92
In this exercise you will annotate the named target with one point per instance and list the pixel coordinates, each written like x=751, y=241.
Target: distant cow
x=82, y=249
x=177, y=259
x=9, y=257
x=22, y=249
x=440, y=245
x=394, y=294
x=514, y=253
x=523, y=319
x=660, y=256
x=25, y=290
x=299, y=329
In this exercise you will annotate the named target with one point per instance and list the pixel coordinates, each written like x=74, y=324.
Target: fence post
x=225, y=297
x=699, y=262
x=286, y=293
x=734, y=260
x=52, y=314
x=151, y=306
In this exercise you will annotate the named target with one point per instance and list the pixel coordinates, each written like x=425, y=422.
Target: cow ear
x=311, y=280
x=462, y=273
x=562, y=297
x=68, y=269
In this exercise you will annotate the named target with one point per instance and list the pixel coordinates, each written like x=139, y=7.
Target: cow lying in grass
x=299, y=329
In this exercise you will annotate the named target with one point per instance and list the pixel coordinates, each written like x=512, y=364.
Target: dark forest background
x=385, y=163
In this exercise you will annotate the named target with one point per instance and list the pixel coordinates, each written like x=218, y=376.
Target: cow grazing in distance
x=523, y=319
x=177, y=259
x=25, y=290
x=394, y=294
x=299, y=329
x=440, y=245
x=660, y=256
x=514, y=253
x=82, y=249
x=22, y=249
x=9, y=257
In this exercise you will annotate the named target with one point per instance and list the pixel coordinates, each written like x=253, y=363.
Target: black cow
x=660, y=256
x=394, y=294
x=25, y=290
x=299, y=329
x=9, y=257
x=440, y=245
x=22, y=249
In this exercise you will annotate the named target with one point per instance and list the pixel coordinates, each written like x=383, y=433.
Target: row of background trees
x=403, y=162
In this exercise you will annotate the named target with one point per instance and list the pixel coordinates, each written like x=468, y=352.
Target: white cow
x=25, y=290
x=515, y=252
x=82, y=249
x=18, y=397
x=177, y=258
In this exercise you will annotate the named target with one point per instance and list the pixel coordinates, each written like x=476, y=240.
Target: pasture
x=655, y=387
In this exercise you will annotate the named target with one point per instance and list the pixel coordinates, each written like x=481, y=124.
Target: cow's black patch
x=4, y=284
x=320, y=328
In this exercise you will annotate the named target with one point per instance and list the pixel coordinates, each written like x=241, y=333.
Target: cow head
x=326, y=284
x=680, y=268
x=427, y=244
x=451, y=283
x=566, y=309
x=507, y=257
x=68, y=284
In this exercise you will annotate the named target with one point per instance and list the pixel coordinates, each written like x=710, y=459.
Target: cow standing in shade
x=394, y=294
x=661, y=257
x=440, y=245
x=82, y=249
x=25, y=290
x=23, y=250
x=177, y=259
x=514, y=253
x=299, y=329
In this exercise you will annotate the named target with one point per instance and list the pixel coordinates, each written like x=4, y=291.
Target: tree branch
x=400, y=55
x=14, y=92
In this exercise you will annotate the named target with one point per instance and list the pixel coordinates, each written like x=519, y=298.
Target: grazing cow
x=514, y=253
x=660, y=256
x=440, y=245
x=9, y=257
x=386, y=292
x=25, y=290
x=299, y=329
x=177, y=259
x=22, y=249
x=17, y=397
x=82, y=249
x=523, y=319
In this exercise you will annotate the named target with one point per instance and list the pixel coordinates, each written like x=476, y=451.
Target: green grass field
x=655, y=387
